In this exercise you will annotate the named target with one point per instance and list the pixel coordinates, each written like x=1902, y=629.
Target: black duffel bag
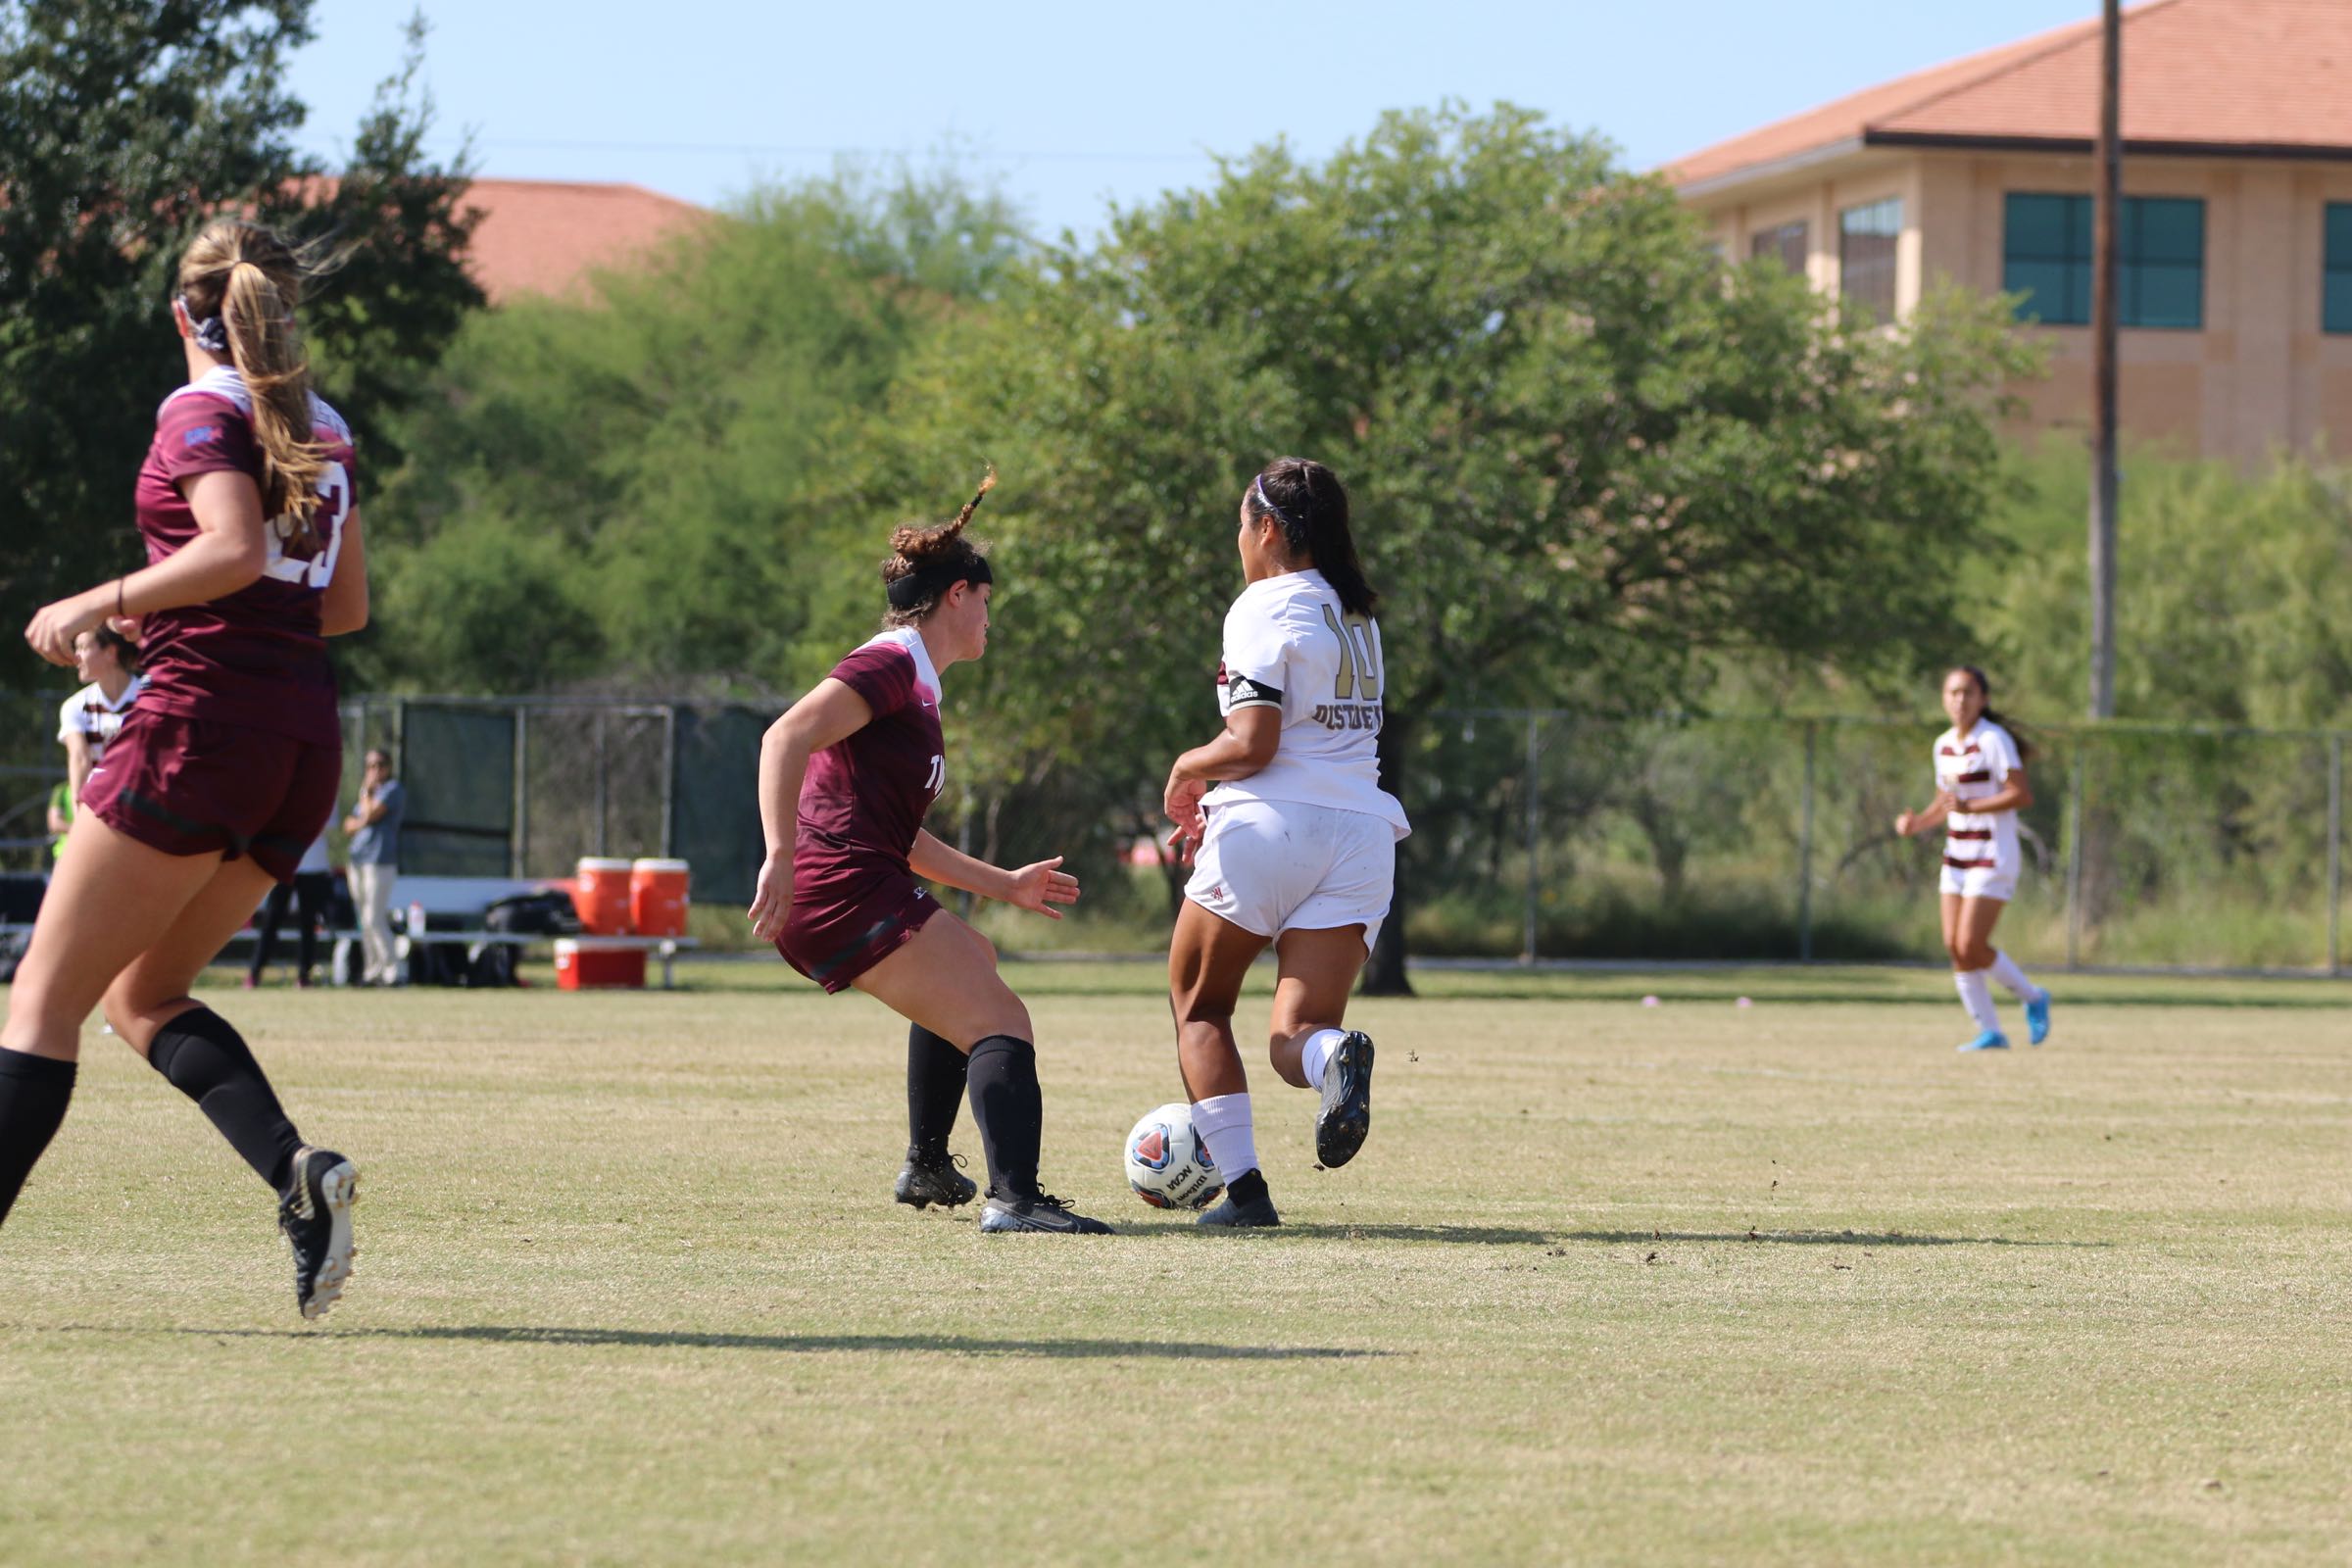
x=526, y=914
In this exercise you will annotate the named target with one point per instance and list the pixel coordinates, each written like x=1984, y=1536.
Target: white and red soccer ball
x=1167, y=1162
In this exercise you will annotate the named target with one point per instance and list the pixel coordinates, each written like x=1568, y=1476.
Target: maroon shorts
x=189, y=786
x=835, y=939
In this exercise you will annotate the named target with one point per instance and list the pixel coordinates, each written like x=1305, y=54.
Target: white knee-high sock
x=2013, y=978
x=1976, y=995
x=1224, y=1126
x=1316, y=1053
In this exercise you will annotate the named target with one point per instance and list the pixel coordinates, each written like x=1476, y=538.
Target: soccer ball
x=1167, y=1164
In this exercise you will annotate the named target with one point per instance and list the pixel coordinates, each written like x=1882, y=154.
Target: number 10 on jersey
x=1358, y=665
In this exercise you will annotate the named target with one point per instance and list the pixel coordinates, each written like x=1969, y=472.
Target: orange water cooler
x=601, y=894
x=658, y=898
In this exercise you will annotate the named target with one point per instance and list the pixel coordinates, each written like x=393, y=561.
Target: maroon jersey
x=255, y=659
x=863, y=801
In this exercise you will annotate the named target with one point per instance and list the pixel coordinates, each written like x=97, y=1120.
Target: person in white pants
x=373, y=827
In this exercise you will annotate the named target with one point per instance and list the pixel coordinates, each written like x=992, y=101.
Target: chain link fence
x=1539, y=834
x=1547, y=835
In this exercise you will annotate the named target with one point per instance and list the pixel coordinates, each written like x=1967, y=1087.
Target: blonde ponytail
x=252, y=279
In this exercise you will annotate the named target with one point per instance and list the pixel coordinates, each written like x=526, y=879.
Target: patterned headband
x=211, y=333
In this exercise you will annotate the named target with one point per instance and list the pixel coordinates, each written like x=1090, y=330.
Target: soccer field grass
x=1609, y=1283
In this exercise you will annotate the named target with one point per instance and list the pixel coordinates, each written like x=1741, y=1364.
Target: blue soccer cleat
x=2037, y=1020
x=1990, y=1040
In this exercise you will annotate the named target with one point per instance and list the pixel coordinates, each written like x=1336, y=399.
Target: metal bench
x=666, y=949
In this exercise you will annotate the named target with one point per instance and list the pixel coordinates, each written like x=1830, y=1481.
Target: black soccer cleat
x=922, y=1182
x=1042, y=1211
x=1257, y=1214
x=1347, y=1114
x=315, y=1213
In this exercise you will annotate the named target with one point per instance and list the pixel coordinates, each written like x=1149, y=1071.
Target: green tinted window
x=2045, y=256
x=2336, y=297
x=2046, y=250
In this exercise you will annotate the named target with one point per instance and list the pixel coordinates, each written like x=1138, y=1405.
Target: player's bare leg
x=1308, y=1047
x=112, y=899
x=112, y=895
x=1968, y=933
x=936, y=1086
x=1207, y=958
x=136, y=926
x=204, y=1058
x=1968, y=936
x=944, y=979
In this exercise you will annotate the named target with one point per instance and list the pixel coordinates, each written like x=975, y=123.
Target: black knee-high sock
x=208, y=1061
x=1011, y=1110
x=935, y=1079
x=33, y=1092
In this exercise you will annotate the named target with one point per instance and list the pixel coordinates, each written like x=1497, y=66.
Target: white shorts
x=1981, y=881
x=1271, y=867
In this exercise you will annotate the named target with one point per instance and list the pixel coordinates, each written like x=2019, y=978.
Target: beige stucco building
x=2236, y=237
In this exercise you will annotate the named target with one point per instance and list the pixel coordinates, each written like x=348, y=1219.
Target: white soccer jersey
x=1290, y=644
x=1973, y=768
x=88, y=714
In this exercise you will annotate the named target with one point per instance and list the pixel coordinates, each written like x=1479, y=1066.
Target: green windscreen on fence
x=714, y=799
x=1536, y=834
x=458, y=764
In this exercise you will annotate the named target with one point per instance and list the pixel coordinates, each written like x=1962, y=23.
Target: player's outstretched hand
x=53, y=627
x=771, y=899
x=1038, y=888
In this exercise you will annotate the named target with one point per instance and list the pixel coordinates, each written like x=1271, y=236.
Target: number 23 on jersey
x=334, y=504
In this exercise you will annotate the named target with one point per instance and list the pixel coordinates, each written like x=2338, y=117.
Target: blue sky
x=1070, y=107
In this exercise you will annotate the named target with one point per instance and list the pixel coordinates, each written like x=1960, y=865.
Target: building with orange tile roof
x=2236, y=229
x=539, y=236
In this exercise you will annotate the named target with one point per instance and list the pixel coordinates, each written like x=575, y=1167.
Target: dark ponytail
x=2025, y=747
x=1307, y=501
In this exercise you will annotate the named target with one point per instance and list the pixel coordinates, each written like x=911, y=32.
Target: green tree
x=2233, y=588
x=1584, y=459
x=124, y=126
x=397, y=222
x=670, y=445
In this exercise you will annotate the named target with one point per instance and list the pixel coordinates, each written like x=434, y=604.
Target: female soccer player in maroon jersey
x=226, y=767
x=846, y=778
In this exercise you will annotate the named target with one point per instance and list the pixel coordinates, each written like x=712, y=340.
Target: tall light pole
x=2107, y=205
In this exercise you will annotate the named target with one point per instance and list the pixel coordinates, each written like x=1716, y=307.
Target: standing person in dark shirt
x=312, y=892
x=227, y=766
x=846, y=778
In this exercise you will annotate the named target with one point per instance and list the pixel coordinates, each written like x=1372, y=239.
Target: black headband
x=924, y=581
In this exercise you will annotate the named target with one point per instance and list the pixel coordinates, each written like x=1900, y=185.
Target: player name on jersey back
x=1292, y=645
